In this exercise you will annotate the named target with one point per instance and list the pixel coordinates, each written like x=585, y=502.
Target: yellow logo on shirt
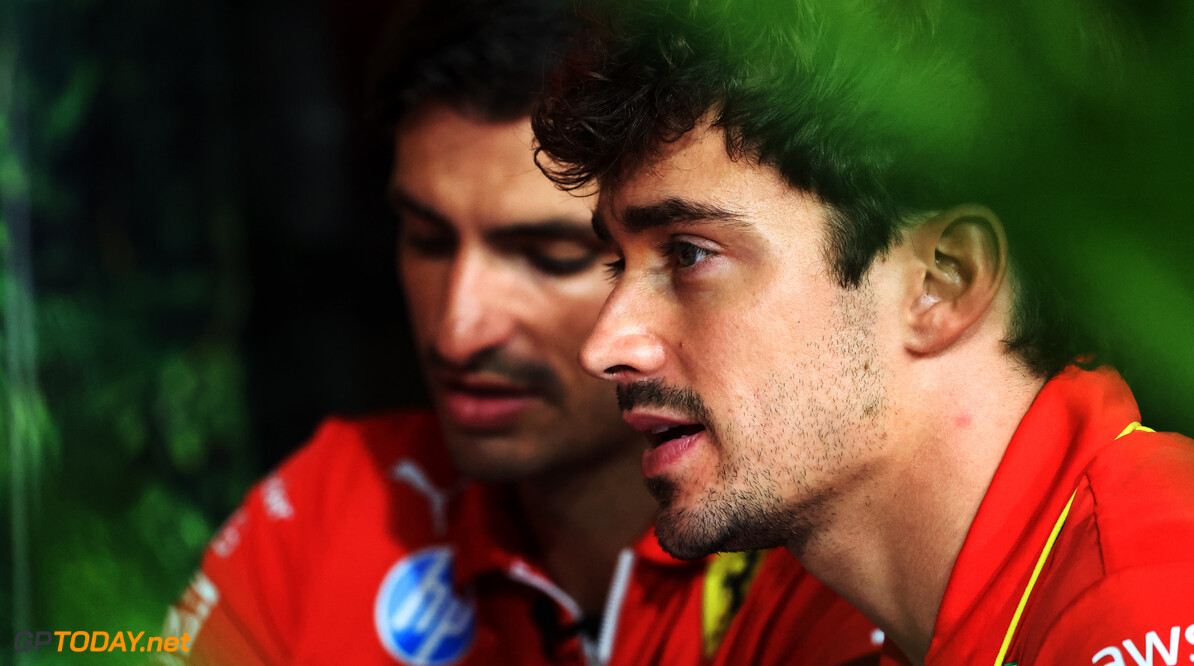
x=727, y=580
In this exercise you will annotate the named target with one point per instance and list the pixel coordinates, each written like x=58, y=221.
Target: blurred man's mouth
x=485, y=405
x=492, y=392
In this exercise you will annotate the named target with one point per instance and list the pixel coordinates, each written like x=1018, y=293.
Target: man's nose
x=477, y=315
x=623, y=346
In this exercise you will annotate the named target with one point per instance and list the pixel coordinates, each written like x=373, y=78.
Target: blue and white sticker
x=420, y=619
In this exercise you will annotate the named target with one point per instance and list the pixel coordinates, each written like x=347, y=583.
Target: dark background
x=198, y=267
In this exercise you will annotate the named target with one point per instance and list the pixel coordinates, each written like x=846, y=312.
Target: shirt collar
x=1075, y=414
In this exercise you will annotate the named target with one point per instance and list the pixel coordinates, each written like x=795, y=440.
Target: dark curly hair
x=488, y=58
x=860, y=103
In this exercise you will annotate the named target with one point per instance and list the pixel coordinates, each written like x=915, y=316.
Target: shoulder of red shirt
x=1128, y=596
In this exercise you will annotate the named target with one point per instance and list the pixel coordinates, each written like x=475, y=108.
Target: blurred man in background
x=829, y=349
x=511, y=525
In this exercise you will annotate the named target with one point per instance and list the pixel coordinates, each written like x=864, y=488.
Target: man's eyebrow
x=401, y=201
x=673, y=211
x=542, y=230
x=547, y=230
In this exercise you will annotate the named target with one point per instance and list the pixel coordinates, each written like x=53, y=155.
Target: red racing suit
x=366, y=547
x=1116, y=588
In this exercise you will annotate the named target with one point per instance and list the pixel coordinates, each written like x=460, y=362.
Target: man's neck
x=891, y=548
x=580, y=521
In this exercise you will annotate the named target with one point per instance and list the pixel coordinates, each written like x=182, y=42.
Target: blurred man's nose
x=477, y=315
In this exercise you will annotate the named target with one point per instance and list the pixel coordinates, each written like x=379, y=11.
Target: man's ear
x=962, y=255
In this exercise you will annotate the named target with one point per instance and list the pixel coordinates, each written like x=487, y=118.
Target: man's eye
x=614, y=269
x=684, y=254
x=560, y=258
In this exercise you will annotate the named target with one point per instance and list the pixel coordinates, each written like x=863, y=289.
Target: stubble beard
x=750, y=514
x=750, y=511
x=724, y=525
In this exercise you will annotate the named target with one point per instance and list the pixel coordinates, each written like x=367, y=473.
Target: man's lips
x=660, y=428
x=484, y=404
x=481, y=384
x=669, y=438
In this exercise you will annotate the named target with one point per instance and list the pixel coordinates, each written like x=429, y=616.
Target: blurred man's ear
x=963, y=255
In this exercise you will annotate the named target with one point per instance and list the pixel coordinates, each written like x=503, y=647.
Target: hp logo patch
x=418, y=617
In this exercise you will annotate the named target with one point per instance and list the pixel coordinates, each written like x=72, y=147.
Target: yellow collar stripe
x=1040, y=562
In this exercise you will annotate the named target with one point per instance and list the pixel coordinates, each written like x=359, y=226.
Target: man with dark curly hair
x=829, y=349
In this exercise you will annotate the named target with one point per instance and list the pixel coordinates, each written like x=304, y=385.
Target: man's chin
x=679, y=532
x=491, y=459
x=681, y=539
x=694, y=532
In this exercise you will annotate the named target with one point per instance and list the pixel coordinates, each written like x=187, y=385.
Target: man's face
x=754, y=374
x=504, y=279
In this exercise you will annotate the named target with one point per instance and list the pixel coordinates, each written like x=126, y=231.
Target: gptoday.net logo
x=98, y=641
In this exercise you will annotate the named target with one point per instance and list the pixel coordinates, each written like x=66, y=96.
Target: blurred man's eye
x=429, y=240
x=561, y=258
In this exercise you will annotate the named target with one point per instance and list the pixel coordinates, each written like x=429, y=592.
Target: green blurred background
x=197, y=267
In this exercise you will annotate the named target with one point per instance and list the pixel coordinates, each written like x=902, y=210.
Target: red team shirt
x=1117, y=588
x=367, y=548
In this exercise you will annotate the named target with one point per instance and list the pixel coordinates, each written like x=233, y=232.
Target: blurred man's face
x=755, y=376
x=504, y=278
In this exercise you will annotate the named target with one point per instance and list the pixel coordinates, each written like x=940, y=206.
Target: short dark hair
x=856, y=103
x=487, y=58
